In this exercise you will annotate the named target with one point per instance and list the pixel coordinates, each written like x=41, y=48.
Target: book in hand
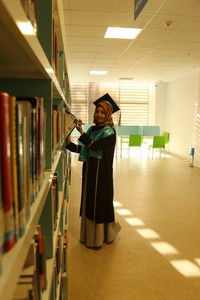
x=71, y=121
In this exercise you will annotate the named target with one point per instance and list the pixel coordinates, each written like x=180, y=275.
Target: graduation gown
x=97, y=176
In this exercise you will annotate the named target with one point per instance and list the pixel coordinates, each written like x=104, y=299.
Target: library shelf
x=27, y=70
x=13, y=261
x=34, y=62
x=50, y=262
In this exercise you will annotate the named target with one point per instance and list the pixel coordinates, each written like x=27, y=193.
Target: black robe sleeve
x=73, y=147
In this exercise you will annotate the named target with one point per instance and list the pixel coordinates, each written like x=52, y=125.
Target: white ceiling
x=159, y=53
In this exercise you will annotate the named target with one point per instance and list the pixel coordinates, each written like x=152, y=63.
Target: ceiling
x=167, y=47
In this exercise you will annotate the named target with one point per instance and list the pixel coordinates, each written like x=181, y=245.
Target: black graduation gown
x=97, y=178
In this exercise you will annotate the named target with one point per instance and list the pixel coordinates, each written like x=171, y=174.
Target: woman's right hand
x=79, y=127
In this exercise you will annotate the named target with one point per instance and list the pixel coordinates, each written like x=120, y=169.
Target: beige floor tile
x=154, y=255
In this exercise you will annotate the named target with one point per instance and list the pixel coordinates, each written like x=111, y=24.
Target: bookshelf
x=28, y=69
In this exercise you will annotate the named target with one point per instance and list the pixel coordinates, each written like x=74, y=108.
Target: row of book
x=55, y=199
x=65, y=165
x=56, y=128
x=69, y=121
x=22, y=163
x=33, y=278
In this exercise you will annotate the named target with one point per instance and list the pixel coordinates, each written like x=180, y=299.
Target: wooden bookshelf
x=24, y=65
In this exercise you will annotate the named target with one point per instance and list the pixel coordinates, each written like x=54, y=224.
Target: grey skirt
x=94, y=235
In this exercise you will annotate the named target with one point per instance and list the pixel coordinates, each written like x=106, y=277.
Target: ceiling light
x=95, y=72
x=26, y=28
x=122, y=33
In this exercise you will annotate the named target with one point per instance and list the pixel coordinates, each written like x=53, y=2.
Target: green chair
x=158, y=143
x=135, y=140
x=166, y=136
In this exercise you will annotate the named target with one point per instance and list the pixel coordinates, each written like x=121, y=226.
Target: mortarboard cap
x=109, y=100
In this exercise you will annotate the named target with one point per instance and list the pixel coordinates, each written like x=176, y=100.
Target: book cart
x=33, y=70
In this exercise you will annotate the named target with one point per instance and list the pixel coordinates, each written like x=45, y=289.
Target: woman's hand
x=79, y=127
x=68, y=140
x=65, y=143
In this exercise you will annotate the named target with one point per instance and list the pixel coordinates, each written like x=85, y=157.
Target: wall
x=160, y=105
x=179, y=107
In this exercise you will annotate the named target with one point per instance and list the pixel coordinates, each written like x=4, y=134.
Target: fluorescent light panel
x=26, y=28
x=96, y=72
x=121, y=33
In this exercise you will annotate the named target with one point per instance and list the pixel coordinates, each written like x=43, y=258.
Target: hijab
x=108, y=121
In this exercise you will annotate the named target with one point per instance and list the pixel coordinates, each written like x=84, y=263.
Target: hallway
x=157, y=253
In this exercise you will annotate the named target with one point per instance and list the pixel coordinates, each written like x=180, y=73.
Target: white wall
x=175, y=112
x=160, y=105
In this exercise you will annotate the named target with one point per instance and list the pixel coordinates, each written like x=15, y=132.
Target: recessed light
x=96, y=72
x=26, y=28
x=121, y=33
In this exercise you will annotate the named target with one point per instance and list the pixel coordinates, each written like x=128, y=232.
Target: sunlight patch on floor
x=123, y=212
x=186, y=268
x=148, y=233
x=134, y=221
x=164, y=248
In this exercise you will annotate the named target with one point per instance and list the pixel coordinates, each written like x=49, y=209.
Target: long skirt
x=94, y=234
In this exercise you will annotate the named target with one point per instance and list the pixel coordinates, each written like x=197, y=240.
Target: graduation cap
x=109, y=100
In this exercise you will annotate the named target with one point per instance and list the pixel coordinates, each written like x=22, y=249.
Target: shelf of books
x=34, y=172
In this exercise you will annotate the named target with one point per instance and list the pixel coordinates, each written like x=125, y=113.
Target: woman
x=97, y=151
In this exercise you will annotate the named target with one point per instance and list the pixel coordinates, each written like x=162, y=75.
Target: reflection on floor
x=157, y=253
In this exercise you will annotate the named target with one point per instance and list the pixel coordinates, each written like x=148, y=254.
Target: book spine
x=41, y=268
x=2, y=228
x=20, y=173
x=14, y=163
x=7, y=192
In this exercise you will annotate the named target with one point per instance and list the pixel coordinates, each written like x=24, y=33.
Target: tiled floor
x=157, y=253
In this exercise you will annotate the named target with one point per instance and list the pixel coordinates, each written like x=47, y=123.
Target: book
x=42, y=260
x=14, y=164
x=20, y=169
x=31, y=269
x=69, y=123
x=54, y=130
x=7, y=191
x=38, y=264
x=37, y=142
x=1, y=220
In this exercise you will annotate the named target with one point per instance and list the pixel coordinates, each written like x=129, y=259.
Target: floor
x=157, y=253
